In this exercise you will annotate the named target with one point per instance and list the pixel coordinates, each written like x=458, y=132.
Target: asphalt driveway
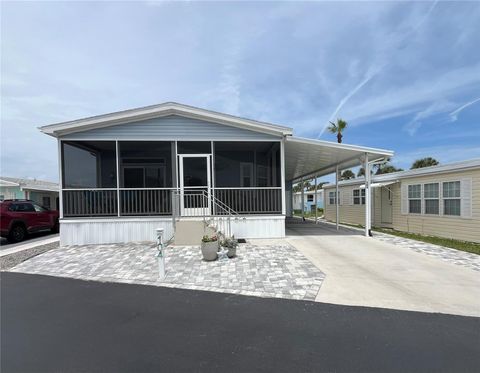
x=369, y=272
x=65, y=325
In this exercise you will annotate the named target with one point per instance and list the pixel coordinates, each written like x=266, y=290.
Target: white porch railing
x=158, y=201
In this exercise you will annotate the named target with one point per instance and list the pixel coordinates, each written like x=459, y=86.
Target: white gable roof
x=162, y=110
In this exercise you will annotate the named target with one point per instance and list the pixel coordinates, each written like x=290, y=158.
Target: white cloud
x=454, y=114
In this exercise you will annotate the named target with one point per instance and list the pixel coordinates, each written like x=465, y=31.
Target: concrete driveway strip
x=367, y=272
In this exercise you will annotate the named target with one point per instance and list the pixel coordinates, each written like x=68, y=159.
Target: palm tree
x=361, y=172
x=347, y=174
x=424, y=162
x=338, y=128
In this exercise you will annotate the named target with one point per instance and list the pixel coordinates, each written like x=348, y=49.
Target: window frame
x=425, y=199
x=410, y=199
x=334, y=198
x=450, y=198
x=360, y=197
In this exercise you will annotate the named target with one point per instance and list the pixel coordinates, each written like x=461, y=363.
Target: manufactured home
x=310, y=200
x=124, y=174
x=441, y=201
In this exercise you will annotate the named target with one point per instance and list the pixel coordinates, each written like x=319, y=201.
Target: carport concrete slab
x=368, y=272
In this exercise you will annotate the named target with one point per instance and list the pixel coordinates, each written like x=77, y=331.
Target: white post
x=60, y=180
x=160, y=256
x=316, y=199
x=118, y=178
x=303, y=197
x=282, y=176
x=337, y=199
x=367, y=197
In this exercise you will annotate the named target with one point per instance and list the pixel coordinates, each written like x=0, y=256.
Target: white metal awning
x=307, y=157
x=378, y=185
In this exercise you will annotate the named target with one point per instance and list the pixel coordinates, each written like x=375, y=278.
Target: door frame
x=208, y=158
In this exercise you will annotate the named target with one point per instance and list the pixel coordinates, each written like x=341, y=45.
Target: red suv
x=20, y=217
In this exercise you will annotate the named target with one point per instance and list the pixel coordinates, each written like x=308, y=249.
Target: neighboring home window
x=431, y=196
x=2, y=197
x=451, y=198
x=359, y=196
x=309, y=197
x=331, y=198
x=46, y=202
x=415, y=199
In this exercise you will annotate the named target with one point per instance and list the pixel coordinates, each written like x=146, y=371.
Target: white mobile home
x=441, y=201
x=124, y=174
x=310, y=200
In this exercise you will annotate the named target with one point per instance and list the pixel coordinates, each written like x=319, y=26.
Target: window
x=309, y=197
x=359, y=196
x=415, y=199
x=39, y=208
x=46, y=202
x=22, y=207
x=2, y=197
x=451, y=198
x=331, y=198
x=246, y=174
x=431, y=196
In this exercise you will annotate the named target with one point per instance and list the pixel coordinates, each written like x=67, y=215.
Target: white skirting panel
x=99, y=231
x=259, y=227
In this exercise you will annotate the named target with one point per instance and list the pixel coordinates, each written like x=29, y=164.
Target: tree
x=319, y=186
x=298, y=187
x=338, y=128
x=424, y=162
x=361, y=172
x=347, y=174
x=386, y=169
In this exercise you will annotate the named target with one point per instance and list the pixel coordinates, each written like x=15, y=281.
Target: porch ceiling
x=307, y=157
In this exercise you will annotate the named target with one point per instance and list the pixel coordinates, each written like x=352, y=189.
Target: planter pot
x=209, y=250
x=232, y=252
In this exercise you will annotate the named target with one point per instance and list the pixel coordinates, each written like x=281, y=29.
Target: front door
x=194, y=184
x=387, y=212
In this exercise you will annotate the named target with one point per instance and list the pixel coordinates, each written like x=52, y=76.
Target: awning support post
x=337, y=199
x=316, y=199
x=302, y=185
x=368, y=205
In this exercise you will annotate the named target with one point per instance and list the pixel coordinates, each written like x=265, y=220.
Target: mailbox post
x=161, y=254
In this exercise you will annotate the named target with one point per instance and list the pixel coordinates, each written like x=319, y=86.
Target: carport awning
x=307, y=157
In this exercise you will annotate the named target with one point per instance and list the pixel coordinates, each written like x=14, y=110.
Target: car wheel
x=17, y=233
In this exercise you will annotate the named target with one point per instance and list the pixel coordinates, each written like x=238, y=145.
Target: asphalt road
x=55, y=324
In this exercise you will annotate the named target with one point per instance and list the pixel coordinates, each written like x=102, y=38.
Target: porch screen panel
x=247, y=176
x=89, y=173
x=145, y=177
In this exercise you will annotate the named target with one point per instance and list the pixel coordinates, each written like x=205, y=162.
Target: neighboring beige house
x=441, y=201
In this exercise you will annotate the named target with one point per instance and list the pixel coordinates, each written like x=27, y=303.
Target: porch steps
x=190, y=232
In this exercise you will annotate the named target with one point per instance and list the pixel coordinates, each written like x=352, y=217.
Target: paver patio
x=279, y=270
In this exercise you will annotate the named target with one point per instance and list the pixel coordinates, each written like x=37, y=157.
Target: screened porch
x=141, y=178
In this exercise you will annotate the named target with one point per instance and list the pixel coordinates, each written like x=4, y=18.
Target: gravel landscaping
x=10, y=261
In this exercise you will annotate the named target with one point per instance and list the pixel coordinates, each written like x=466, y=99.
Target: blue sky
x=405, y=76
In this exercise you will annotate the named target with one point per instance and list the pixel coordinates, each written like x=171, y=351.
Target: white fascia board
x=6, y=184
x=330, y=144
x=158, y=111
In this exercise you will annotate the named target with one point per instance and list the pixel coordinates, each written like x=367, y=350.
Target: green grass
x=308, y=214
x=470, y=247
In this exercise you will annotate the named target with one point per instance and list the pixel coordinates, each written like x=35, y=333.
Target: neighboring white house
x=125, y=174
x=45, y=193
x=439, y=201
x=308, y=201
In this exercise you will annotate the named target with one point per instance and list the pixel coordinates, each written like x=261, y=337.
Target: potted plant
x=231, y=245
x=209, y=247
